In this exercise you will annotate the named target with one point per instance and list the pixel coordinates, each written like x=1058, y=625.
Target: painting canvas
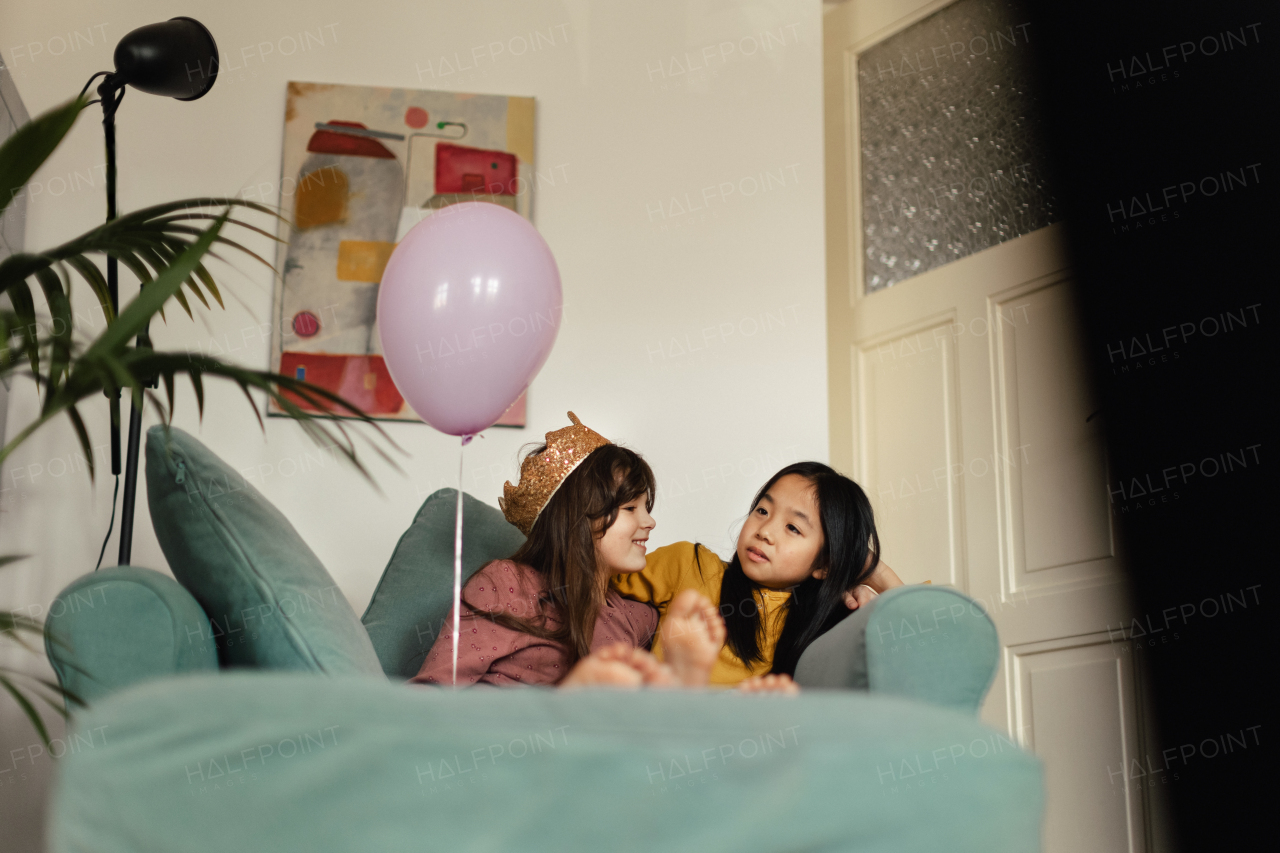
x=361, y=166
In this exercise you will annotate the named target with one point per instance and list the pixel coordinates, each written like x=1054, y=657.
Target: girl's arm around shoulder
x=666, y=571
x=881, y=580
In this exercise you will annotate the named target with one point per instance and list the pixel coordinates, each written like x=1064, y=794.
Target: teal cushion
x=120, y=626
x=415, y=594
x=290, y=762
x=922, y=642
x=270, y=601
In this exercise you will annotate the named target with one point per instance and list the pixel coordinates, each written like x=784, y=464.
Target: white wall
x=629, y=136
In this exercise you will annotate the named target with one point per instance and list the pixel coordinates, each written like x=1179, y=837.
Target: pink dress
x=490, y=653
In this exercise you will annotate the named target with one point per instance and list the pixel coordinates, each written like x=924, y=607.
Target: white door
x=959, y=401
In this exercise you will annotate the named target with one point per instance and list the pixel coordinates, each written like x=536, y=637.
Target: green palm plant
x=164, y=246
x=12, y=627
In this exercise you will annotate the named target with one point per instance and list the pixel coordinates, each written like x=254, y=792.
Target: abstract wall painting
x=361, y=166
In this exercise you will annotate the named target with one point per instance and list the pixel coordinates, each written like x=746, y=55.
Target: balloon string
x=457, y=566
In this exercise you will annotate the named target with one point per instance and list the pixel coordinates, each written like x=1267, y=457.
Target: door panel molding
x=1081, y=694
x=922, y=409
x=1069, y=524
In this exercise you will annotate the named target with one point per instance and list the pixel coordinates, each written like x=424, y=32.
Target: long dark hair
x=848, y=538
x=562, y=544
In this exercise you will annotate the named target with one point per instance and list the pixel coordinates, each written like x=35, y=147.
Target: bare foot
x=770, y=683
x=692, y=634
x=619, y=665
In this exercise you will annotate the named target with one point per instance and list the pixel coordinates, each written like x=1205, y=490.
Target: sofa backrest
x=414, y=596
x=256, y=595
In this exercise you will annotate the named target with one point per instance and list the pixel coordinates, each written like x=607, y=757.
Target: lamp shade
x=176, y=58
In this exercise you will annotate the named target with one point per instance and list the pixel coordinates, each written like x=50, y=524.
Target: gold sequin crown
x=542, y=473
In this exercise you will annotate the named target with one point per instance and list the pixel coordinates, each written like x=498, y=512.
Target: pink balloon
x=468, y=309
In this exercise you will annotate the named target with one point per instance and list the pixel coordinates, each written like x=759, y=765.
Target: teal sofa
x=244, y=706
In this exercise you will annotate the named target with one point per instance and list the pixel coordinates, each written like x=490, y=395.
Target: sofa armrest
x=123, y=625
x=928, y=643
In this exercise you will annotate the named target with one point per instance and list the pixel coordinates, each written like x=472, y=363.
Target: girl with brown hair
x=584, y=504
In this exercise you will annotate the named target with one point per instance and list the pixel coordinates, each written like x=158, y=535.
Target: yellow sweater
x=673, y=568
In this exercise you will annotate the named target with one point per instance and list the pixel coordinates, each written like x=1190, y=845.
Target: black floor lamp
x=177, y=59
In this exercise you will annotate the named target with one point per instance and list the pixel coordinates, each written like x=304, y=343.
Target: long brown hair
x=562, y=544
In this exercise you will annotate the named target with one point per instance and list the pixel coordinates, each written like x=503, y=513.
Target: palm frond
x=26, y=706
x=324, y=426
x=165, y=247
x=11, y=621
x=30, y=145
x=143, y=242
x=97, y=368
x=12, y=624
x=110, y=363
x=24, y=310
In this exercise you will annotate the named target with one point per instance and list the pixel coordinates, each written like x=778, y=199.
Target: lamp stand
x=110, y=102
x=155, y=59
x=112, y=92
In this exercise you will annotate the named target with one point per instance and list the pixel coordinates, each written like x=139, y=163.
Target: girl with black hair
x=807, y=554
